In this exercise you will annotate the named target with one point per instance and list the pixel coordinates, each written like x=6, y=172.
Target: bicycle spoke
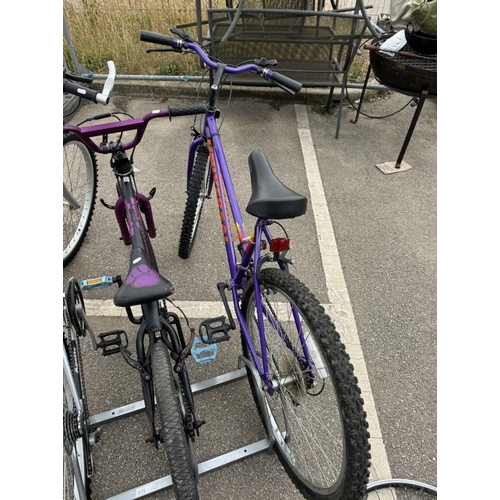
x=324, y=453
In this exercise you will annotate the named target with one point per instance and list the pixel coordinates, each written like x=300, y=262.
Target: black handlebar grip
x=196, y=109
x=288, y=84
x=86, y=93
x=149, y=36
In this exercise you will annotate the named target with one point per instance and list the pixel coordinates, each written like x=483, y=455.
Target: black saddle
x=271, y=199
x=143, y=283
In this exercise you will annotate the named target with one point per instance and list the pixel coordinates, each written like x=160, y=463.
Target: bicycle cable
x=223, y=114
x=114, y=114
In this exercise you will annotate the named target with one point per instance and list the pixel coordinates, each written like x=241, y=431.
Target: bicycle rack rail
x=203, y=467
x=228, y=458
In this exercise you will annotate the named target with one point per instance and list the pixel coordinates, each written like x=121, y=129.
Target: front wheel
x=316, y=411
x=172, y=427
x=79, y=193
x=197, y=192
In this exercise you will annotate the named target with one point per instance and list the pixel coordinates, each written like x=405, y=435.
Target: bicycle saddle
x=271, y=199
x=143, y=284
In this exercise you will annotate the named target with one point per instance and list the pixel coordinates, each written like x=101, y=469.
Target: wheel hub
x=293, y=379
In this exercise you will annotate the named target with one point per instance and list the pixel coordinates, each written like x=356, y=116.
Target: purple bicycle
x=299, y=372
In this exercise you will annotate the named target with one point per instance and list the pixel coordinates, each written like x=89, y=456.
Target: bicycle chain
x=72, y=430
x=71, y=303
x=70, y=419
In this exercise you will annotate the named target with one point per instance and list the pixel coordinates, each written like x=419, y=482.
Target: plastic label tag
x=394, y=44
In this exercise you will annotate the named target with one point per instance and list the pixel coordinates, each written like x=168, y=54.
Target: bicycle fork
x=123, y=169
x=166, y=328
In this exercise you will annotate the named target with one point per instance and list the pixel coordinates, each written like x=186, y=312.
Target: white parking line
x=339, y=306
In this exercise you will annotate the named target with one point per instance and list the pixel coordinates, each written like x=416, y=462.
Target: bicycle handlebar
x=138, y=125
x=282, y=81
x=98, y=97
x=186, y=44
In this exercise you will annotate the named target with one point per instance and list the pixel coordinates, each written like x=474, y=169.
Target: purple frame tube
x=236, y=272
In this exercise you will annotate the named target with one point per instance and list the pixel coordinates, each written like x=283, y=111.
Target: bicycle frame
x=156, y=324
x=251, y=256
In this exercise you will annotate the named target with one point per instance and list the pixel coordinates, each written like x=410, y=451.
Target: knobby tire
x=171, y=424
x=196, y=196
x=325, y=449
x=80, y=178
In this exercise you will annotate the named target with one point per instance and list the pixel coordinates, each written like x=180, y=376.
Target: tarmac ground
x=366, y=248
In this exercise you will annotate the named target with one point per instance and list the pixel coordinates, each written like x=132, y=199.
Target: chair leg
x=339, y=111
x=362, y=93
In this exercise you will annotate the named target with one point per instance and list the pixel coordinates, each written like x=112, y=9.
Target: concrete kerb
x=163, y=90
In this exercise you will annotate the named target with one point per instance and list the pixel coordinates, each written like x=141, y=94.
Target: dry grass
x=109, y=29
x=101, y=30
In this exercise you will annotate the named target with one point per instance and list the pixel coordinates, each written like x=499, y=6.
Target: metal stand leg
x=343, y=87
x=390, y=167
x=329, y=103
x=400, y=165
x=421, y=101
x=362, y=93
x=330, y=98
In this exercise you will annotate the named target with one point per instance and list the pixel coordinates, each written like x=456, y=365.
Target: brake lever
x=264, y=63
x=77, y=78
x=162, y=49
x=184, y=36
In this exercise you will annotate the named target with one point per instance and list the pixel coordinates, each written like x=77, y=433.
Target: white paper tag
x=394, y=44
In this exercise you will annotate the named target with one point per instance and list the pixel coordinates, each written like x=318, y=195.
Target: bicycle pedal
x=203, y=353
x=95, y=283
x=110, y=342
x=214, y=330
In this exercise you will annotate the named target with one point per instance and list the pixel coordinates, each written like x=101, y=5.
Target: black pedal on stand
x=214, y=330
x=110, y=342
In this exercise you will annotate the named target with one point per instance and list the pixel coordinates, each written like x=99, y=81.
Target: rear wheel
x=175, y=438
x=197, y=192
x=76, y=453
x=77, y=436
x=79, y=193
x=316, y=413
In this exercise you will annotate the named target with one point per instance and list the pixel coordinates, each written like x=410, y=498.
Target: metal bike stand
x=231, y=457
x=212, y=464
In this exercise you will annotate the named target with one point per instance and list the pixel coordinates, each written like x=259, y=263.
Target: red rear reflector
x=279, y=244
